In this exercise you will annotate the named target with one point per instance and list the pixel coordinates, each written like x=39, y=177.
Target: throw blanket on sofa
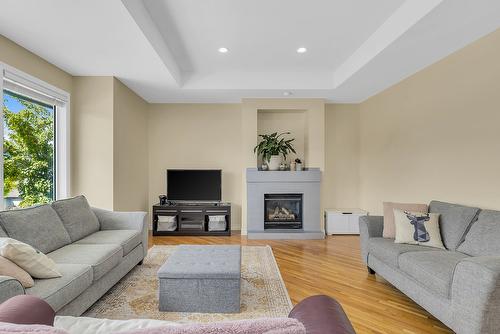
x=254, y=326
x=257, y=326
x=6, y=328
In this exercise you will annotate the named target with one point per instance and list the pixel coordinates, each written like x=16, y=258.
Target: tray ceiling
x=167, y=50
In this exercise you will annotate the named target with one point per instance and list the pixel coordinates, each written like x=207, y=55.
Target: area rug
x=263, y=292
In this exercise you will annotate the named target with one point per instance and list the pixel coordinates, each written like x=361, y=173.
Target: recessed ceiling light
x=301, y=50
x=287, y=93
x=223, y=50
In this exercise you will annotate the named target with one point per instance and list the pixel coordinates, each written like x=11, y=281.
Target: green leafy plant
x=274, y=144
x=29, y=153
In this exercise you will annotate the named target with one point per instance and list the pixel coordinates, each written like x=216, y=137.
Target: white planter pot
x=274, y=162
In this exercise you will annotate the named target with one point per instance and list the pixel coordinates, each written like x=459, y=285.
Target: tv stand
x=191, y=218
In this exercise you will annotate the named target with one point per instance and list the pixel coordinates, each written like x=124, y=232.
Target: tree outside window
x=28, y=151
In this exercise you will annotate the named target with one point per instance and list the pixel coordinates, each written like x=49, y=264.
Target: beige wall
x=341, y=175
x=249, y=128
x=26, y=61
x=130, y=150
x=293, y=121
x=92, y=140
x=436, y=135
x=196, y=136
x=315, y=126
x=109, y=144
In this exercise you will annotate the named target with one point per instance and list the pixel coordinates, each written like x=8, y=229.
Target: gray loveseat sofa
x=461, y=285
x=93, y=250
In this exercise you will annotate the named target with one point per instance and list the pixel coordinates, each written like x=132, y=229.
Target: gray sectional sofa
x=461, y=285
x=93, y=250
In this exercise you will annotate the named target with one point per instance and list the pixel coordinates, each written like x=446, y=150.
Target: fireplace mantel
x=306, y=182
x=306, y=175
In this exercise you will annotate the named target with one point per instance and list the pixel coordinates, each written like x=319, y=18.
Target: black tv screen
x=193, y=185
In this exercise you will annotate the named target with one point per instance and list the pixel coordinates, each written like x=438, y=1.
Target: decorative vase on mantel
x=274, y=162
x=298, y=164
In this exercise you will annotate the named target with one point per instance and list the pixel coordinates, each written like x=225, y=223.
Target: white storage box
x=343, y=221
x=167, y=223
x=216, y=223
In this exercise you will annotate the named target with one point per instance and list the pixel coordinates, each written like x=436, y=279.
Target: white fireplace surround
x=305, y=182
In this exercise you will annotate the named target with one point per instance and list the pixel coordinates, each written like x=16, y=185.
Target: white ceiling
x=166, y=50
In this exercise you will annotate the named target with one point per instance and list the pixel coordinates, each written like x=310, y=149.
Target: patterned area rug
x=263, y=292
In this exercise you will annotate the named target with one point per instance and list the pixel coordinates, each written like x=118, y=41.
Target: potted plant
x=272, y=146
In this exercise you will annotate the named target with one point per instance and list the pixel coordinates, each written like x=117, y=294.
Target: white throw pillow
x=37, y=264
x=417, y=228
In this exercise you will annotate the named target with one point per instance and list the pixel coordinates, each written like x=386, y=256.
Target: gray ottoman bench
x=202, y=279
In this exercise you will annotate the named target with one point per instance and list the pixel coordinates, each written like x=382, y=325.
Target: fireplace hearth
x=282, y=211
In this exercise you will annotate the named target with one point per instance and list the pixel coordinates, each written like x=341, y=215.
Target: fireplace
x=297, y=192
x=282, y=211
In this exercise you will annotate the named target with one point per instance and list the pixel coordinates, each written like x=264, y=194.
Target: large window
x=28, y=151
x=34, y=165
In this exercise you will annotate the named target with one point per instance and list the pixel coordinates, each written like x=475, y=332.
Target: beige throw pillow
x=389, y=227
x=9, y=268
x=37, y=264
x=417, y=228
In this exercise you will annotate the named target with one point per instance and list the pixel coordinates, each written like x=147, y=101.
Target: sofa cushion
x=387, y=251
x=128, y=239
x=102, y=258
x=38, y=226
x=389, y=219
x=434, y=270
x=77, y=217
x=454, y=220
x=58, y=292
x=483, y=238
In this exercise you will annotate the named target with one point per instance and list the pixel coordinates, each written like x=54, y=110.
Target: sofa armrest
x=369, y=227
x=475, y=294
x=322, y=314
x=114, y=220
x=10, y=287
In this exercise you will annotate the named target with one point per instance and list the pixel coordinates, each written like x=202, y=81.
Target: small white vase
x=274, y=162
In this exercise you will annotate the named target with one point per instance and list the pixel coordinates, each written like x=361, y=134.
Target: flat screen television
x=194, y=185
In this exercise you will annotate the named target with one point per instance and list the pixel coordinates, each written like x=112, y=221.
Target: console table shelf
x=194, y=215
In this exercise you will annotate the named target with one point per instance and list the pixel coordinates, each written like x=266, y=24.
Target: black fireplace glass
x=282, y=211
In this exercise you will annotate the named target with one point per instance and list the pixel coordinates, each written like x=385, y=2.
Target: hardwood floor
x=333, y=267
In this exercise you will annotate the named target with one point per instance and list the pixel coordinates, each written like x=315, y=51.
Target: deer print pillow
x=417, y=228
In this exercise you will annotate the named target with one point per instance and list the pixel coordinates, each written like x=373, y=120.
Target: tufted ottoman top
x=207, y=261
